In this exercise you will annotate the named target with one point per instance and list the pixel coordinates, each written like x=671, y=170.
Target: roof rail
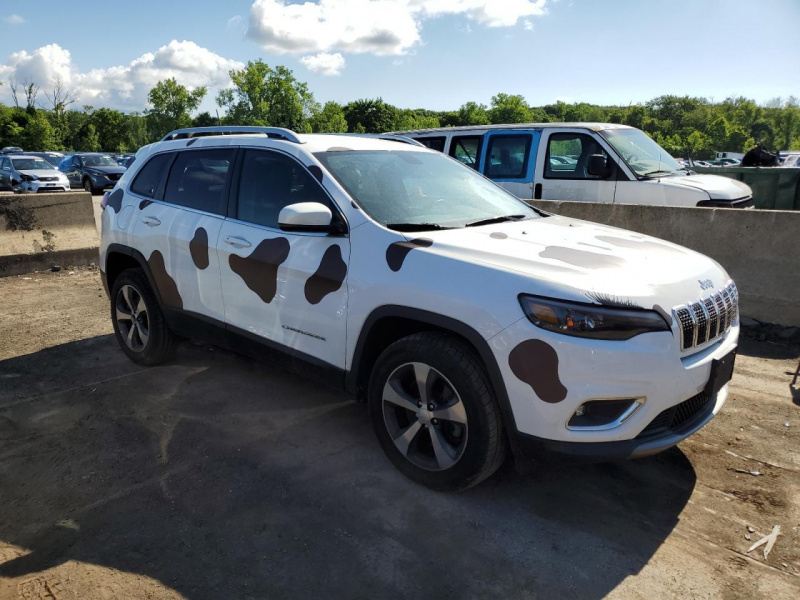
x=194, y=132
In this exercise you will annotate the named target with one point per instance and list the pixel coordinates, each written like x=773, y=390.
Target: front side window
x=198, y=179
x=434, y=143
x=642, y=154
x=417, y=188
x=148, y=178
x=466, y=149
x=268, y=182
x=568, y=156
x=507, y=156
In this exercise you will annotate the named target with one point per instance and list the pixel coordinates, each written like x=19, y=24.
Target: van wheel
x=139, y=324
x=434, y=412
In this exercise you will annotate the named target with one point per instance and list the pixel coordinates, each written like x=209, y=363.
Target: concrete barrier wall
x=773, y=188
x=760, y=249
x=38, y=231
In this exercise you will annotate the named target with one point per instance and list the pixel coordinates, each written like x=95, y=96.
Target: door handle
x=237, y=242
x=151, y=221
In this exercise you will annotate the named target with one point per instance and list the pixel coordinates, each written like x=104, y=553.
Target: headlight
x=590, y=321
x=25, y=177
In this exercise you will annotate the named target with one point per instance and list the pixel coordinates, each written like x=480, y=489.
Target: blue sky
x=414, y=53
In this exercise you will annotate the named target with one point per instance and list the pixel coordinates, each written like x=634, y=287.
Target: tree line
x=685, y=126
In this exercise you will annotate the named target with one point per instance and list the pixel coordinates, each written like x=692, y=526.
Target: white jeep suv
x=471, y=323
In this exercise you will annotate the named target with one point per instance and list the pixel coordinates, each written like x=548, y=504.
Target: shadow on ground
x=222, y=477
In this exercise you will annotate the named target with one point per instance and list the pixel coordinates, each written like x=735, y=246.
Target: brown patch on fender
x=198, y=248
x=536, y=363
x=316, y=171
x=167, y=288
x=259, y=271
x=144, y=204
x=328, y=277
x=396, y=253
x=498, y=235
x=115, y=200
x=663, y=313
x=582, y=258
x=638, y=245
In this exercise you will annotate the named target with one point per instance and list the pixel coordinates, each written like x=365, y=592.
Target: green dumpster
x=773, y=188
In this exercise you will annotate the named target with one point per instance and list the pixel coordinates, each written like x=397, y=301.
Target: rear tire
x=448, y=437
x=139, y=324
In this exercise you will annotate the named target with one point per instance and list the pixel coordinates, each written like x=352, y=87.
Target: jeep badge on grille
x=705, y=284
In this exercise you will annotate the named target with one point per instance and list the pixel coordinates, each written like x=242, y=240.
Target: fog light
x=596, y=415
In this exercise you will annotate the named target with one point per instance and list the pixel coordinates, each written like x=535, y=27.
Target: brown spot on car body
x=259, y=270
x=328, y=277
x=396, y=253
x=167, y=288
x=498, y=235
x=198, y=248
x=582, y=258
x=536, y=363
x=638, y=244
x=115, y=200
x=316, y=171
x=144, y=204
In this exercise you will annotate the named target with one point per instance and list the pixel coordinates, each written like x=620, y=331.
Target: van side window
x=434, y=143
x=507, y=156
x=197, y=179
x=149, y=176
x=568, y=156
x=466, y=149
x=270, y=181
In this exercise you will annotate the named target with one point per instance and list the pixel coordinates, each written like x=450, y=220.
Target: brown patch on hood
x=259, y=271
x=328, y=277
x=582, y=258
x=198, y=248
x=638, y=244
x=498, y=235
x=536, y=363
x=115, y=200
x=396, y=253
x=167, y=288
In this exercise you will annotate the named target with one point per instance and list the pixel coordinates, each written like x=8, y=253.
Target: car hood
x=584, y=261
x=106, y=170
x=717, y=187
x=42, y=172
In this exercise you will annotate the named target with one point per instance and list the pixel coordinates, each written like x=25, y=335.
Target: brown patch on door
x=328, y=277
x=115, y=200
x=259, y=271
x=167, y=288
x=396, y=253
x=198, y=248
x=536, y=363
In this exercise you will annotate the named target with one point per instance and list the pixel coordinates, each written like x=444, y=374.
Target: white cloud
x=13, y=20
x=528, y=25
x=324, y=63
x=123, y=87
x=380, y=27
x=236, y=22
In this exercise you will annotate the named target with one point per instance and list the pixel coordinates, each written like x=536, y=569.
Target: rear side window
x=434, y=143
x=507, y=156
x=147, y=179
x=198, y=179
x=466, y=149
x=268, y=182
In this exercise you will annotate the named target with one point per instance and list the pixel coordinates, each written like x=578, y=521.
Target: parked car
x=93, y=171
x=613, y=163
x=11, y=150
x=469, y=322
x=122, y=159
x=790, y=159
x=21, y=173
x=52, y=157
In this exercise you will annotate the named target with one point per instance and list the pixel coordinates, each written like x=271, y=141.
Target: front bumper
x=33, y=187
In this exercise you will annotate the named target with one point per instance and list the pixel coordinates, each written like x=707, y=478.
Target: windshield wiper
x=651, y=173
x=493, y=220
x=415, y=226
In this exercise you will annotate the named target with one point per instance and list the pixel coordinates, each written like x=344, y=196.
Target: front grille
x=675, y=417
x=48, y=178
x=708, y=318
x=114, y=176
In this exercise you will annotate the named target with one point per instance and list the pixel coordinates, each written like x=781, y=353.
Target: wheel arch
x=119, y=258
x=389, y=323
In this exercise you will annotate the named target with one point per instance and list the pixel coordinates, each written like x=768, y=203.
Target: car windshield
x=99, y=161
x=30, y=164
x=425, y=189
x=641, y=153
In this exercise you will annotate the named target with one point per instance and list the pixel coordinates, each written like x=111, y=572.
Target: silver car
x=24, y=174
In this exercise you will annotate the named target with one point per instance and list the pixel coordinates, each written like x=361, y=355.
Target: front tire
x=434, y=412
x=139, y=324
x=87, y=185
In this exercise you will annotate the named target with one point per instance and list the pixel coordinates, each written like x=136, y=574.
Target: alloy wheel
x=425, y=416
x=132, y=318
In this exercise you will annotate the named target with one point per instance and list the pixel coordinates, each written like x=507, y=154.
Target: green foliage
x=509, y=109
x=472, y=113
x=172, y=104
x=329, y=120
x=373, y=116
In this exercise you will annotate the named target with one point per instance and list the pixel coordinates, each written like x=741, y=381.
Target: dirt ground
x=220, y=477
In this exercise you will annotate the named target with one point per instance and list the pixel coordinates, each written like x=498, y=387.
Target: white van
x=587, y=162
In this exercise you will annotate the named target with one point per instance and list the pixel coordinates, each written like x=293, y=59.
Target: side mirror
x=597, y=166
x=308, y=216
